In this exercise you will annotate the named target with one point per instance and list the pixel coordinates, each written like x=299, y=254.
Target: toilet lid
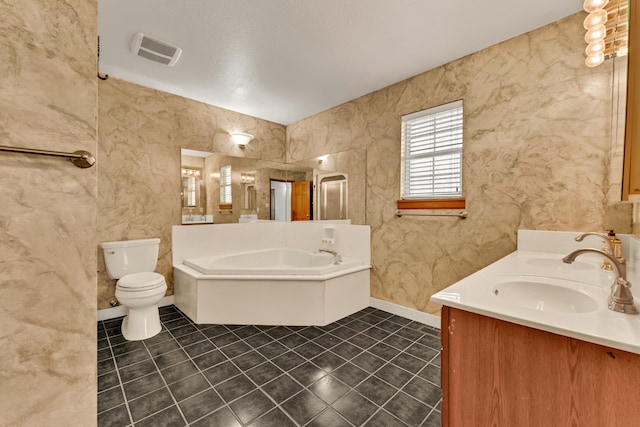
x=140, y=281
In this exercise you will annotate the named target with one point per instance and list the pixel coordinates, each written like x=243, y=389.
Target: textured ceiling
x=284, y=60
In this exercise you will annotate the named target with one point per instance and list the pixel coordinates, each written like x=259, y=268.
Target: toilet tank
x=130, y=256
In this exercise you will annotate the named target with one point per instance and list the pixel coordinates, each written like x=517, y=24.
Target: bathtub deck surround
x=371, y=368
x=271, y=273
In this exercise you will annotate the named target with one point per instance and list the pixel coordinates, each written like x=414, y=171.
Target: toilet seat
x=140, y=281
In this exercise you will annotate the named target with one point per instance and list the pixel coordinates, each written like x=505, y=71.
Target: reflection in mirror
x=280, y=200
x=338, y=184
x=332, y=191
x=226, y=199
x=248, y=190
x=193, y=189
x=237, y=189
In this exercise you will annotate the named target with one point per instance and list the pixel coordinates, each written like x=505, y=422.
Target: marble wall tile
x=48, y=100
x=537, y=139
x=140, y=135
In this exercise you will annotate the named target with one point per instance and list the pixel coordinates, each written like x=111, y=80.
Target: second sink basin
x=544, y=294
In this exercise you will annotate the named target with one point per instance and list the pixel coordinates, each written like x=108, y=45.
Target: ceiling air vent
x=155, y=50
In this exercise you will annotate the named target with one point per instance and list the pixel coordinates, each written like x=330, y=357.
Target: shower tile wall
x=48, y=101
x=369, y=369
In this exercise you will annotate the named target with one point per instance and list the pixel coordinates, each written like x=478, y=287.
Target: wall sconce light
x=242, y=139
x=607, y=30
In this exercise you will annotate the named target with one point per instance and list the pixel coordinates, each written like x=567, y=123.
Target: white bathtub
x=283, y=261
x=278, y=286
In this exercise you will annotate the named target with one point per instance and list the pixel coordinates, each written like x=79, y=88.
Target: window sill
x=453, y=203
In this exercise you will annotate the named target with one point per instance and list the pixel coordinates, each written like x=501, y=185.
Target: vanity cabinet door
x=496, y=373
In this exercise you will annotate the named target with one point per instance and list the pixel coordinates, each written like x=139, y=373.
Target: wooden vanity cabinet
x=496, y=373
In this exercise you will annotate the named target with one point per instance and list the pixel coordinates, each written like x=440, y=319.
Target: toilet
x=133, y=263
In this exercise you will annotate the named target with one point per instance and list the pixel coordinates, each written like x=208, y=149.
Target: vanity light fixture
x=607, y=28
x=242, y=139
x=190, y=172
x=247, y=179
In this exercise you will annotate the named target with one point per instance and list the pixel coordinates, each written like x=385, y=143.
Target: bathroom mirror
x=193, y=193
x=338, y=184
x=238, y=189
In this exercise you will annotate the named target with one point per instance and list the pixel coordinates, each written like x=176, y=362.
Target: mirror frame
x=631, y=174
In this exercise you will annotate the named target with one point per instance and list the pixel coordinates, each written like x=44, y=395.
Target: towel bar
x=82, y=159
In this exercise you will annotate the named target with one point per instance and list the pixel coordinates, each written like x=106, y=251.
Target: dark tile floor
x=369, y=369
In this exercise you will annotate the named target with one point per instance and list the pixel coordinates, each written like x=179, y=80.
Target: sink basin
x=550, y=295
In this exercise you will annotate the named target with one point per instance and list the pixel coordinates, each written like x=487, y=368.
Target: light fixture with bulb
x=607, y=30
x=590, y=6
x=240, y=138
x=594, y=19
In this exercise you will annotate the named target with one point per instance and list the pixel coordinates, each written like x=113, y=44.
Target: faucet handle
x=621, y=299
x=622, y=282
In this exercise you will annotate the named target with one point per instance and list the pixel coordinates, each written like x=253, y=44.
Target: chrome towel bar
x=82, y=159
x=461, y=215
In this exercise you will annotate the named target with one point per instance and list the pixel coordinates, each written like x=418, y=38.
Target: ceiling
x=284, y=60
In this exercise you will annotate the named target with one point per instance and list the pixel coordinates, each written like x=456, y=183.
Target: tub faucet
x=620, y=299
x=337, y=259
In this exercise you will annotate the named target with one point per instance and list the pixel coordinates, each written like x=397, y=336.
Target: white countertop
x=477, y=292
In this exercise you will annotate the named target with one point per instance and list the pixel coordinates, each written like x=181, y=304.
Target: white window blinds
x=432, y=153
x=225, y=184
x=191, y=191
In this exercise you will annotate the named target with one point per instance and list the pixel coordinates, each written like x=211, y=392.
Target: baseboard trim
x=409, y=313
x=120, y=310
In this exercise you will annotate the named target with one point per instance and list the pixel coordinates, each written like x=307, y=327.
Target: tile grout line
x=175, y=402
x=216, y=348
x=399, y=389
x=370, y=374
x=373, y=320
x=256, y=349
x=376, y=341
x=242, y=371
x=343, y=364
x=117, y=371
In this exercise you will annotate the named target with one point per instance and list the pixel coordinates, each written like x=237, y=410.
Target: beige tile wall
x=48, y=100
x=140, y=135
x=537, y=142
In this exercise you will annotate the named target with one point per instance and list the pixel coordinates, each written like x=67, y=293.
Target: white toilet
x=139, y=289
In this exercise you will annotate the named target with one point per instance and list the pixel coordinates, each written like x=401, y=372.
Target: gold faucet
x=606, y=265
x=620, y=299
x=337, y=259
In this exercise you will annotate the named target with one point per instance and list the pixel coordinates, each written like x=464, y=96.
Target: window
x=191, y=191
x=432, y=154
x=225, y=185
